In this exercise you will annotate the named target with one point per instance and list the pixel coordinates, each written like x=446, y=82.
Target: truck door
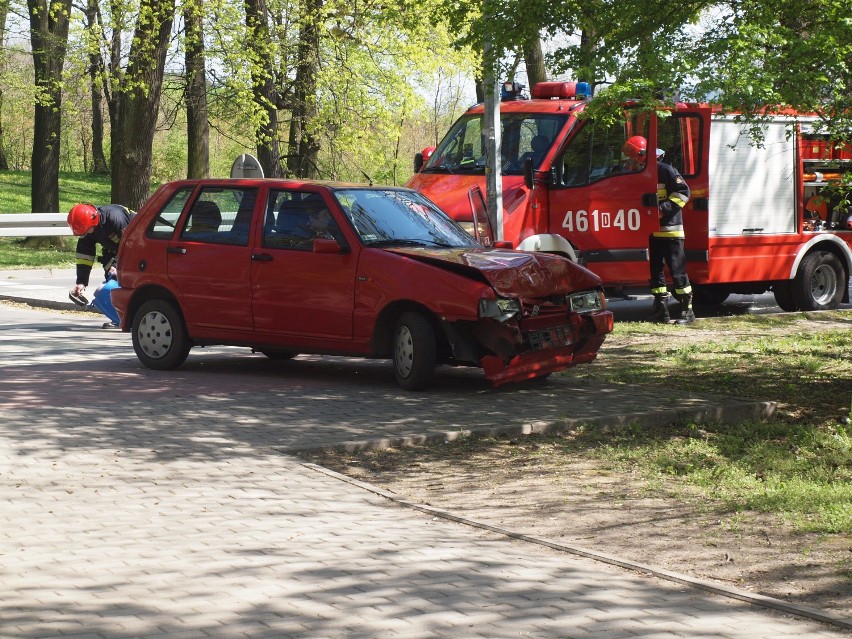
x=604, y=206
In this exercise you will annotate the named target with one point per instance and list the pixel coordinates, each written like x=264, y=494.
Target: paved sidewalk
x=159, y=504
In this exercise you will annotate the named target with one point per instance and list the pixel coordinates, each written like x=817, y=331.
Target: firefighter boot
x=686, y=314
x=661, y=309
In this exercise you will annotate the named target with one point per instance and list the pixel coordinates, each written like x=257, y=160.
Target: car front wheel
x=414, y=351
x=159, y=337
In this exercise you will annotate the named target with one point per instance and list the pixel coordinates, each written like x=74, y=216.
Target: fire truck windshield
x=523, y=135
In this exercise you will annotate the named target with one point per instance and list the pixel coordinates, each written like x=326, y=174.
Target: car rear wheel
x=414, y=351
x=159, y=337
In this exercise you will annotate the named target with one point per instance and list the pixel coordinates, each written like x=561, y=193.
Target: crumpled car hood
x=510, y=273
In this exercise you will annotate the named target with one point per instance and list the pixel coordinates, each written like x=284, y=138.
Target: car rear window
x=163, y=226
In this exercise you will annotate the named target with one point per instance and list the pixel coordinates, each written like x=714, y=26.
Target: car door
x=210, y=260
x=303, y=272
x=605, y=207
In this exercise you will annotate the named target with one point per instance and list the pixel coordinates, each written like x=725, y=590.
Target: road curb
x=729, y=411
x=49, y=304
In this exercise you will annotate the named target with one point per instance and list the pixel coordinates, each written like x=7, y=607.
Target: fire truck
x=761, y=217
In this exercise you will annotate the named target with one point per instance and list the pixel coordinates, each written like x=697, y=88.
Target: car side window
x=220, y=216
x=163, y=226
x=294, y=219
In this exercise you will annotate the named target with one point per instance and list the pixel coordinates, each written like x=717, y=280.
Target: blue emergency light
x=511, y=91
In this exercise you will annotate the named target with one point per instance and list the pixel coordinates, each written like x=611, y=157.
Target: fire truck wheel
x=817, y=286
x=414, y=351
x=784, y=296
x=710, y=295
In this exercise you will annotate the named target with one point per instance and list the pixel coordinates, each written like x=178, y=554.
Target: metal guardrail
x=34, y=224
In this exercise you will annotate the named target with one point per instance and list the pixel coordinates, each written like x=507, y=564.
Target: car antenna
x=369, y=179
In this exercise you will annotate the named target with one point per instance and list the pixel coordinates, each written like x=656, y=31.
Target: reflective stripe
x=683, y=291
x=659, y=290
x=679, y=198
x=676, y=234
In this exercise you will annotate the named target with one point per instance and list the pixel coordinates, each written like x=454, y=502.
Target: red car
x=286, y=267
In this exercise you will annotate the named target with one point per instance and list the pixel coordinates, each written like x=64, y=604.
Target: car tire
x=817, y=285
x=414, y=351
x=159, y=336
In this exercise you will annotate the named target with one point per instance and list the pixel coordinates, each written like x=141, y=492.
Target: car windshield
x=392, y=217
x=523, y=135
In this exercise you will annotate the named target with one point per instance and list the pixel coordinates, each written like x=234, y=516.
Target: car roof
x=291, y=183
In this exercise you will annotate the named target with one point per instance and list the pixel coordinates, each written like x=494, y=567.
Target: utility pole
x=491, y=130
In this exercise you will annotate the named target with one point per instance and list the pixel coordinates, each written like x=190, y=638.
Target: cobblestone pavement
x=148, y=504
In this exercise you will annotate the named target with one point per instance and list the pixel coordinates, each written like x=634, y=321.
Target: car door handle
x=261, y=257
x=179, y=250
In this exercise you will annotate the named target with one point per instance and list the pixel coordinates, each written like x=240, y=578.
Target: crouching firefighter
x=666, y=246
x=95, y=225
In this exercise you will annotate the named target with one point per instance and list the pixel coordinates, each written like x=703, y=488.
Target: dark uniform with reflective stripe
x=666, y=245
x=114, y=218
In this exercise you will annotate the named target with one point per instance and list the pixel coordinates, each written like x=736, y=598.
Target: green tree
x=49, y=38
x=197, y=129
x=4, y=13
x=135, y=103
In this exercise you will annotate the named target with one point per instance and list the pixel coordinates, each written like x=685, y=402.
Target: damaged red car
x=288, y=267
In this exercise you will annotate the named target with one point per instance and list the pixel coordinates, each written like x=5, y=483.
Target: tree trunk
x=99, y=163
x=4, y=12
x=534, y=59
x=198, y=131
x=265, y=94
x=137, y=103
x=303, y=148
x=49, y=37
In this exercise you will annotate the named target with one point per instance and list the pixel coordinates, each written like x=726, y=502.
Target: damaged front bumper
x=548, y=349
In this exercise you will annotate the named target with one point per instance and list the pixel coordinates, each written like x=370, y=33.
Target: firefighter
x=97, y=225
x=665, y=246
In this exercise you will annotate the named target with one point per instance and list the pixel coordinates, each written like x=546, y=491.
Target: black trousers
x=667, y=251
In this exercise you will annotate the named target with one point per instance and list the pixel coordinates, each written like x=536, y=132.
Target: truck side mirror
x=528, y=174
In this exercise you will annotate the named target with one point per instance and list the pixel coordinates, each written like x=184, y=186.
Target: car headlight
x=501, y=309
x=586, y=302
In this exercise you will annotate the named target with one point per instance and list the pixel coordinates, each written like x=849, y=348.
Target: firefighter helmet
x=636, y=148
x=82, y=217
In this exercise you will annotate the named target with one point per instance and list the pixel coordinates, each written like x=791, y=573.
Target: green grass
x=798, y=464
x=16, y=191
x=15, y=197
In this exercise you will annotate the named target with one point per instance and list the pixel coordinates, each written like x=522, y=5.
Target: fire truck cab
x=759, y=218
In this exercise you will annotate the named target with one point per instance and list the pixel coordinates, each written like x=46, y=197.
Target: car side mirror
x=418, y=162
x=323, y=245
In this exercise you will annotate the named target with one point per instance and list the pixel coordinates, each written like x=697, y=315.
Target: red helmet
x=636, y=148
x=82, y=217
